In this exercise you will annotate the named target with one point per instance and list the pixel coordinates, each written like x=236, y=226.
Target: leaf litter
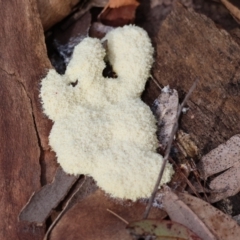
x=160, y=229
x=47, y=198
x=196, y=205
x=165, y=108
x=89, y=218
x=199, y=216
x=225, y=159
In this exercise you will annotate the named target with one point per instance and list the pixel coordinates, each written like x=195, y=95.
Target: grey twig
x=174, y=130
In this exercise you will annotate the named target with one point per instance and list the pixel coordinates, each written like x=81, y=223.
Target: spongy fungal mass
x=101, y=126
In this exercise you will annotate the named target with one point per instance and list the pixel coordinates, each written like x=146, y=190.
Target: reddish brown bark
x=53, y=11
x=23, y=128
x=89, y=219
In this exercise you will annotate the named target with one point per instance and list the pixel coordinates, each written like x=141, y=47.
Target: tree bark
x=23, y=128
x=189, y=46
x=53, y=11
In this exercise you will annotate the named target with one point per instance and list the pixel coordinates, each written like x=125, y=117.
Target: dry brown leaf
x=200, y=217
x=233, y=7
x=165, y=108
x=89, y=219
x=119, y=12
x=120, y=3
x=179, y=212
x=226, y=184
x=220, y=158
x=226, y=157
x=117, y=17
x=220, y=224
x=160, y=229
x=48, y=197
x=82, y=189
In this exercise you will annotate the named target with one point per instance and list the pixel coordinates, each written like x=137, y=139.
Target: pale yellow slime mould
x=101, y=126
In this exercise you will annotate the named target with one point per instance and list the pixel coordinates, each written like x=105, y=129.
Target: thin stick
x=155, y=81
x=46, y=237
x=174, y=130
x=116, y=215
x=190, y=185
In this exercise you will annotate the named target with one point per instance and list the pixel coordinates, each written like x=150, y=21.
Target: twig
x=196, y=175
x=156, y=83
x=62, y=212
x=191, y=186
x=116, y=215
x=175, y=127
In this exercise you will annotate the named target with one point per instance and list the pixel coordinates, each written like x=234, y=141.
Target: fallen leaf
x=160, y=229
x=165, y=107
x=220, y=224
x=120, y=3
x=48, y=197
x=200, y=217
x=119, y=12
x=81, y=190
x=89, y=218
x=179, y=212
x=226, y=157
x=233, y=7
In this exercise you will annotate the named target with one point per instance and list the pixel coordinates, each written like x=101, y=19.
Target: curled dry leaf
x=220, y=224
x=160, y=229
x=89, y=218
x=179, y=212
x=226, y=157
x=48, y=197
x=165, y=107
x=119, y=12
x=200, y=217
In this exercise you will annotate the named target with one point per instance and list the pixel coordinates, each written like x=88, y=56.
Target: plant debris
x=199, y=216
x=157, y=229
x=47, y=198
x=165, y=107
x=225, y=159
